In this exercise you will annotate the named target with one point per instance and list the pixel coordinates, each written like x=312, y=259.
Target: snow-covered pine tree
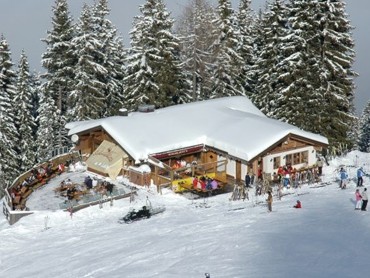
x=310, y=83
x=112, y=59
x=227, y=70
x=197, y=32
x=35, y=86
x=87, y=97
x=320, y=88
x=337, y=75
x=59, y=61
x=246, y=24
x=8, y=133
x=257, y=46
x=271, y=53
x=48, y=121
x=364, y=132
x=24, y=121
x=154, y=75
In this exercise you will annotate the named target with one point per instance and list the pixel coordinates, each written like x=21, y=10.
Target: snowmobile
x=143, y=213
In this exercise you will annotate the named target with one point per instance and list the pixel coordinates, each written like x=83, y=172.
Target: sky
x=233, y=239
x=25, y=22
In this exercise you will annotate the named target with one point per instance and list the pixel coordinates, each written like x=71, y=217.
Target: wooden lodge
x=177, y=152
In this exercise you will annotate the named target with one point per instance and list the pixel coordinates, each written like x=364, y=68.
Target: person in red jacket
x=298, y=205
x=195, y=182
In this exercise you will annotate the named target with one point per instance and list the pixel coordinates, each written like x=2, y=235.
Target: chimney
x=122, y=112
x=145, y=108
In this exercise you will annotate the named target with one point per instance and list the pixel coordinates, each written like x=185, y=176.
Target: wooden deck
x=186, y=185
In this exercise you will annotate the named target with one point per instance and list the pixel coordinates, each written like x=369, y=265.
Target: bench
x=203, y=192
x=27, y=193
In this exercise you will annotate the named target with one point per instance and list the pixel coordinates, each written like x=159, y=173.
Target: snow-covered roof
x=231, y=124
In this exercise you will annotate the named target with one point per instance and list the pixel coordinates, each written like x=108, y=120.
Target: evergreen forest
x=293, y=59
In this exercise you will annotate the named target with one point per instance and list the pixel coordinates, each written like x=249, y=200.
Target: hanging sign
x=178, y=152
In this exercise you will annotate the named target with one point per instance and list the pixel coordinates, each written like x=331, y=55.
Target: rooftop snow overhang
x=232, y=125
x=320, y=143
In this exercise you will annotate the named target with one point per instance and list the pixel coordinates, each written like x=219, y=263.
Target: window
x=288, y=159
x=304, y=157
x=297, y=158
x=276, y=162
x=59, y=151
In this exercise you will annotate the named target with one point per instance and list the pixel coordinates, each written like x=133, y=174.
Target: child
x=298, y=205
x=358, y=199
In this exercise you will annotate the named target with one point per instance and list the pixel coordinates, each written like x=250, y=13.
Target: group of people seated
x=71, y=191
x=204, y=183
x=105, y=188
x=187, y=166
x=46, y=171
x=65, y=184
x=179, y=164
x=68, y=189
x=288, y=176
x=16, y=194
x=91, y=185
x=37, y=176
x=101, y=187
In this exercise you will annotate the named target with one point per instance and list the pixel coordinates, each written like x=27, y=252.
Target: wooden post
x=156, y=179
x=238, y=172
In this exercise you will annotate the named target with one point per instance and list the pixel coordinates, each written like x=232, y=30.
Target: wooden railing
x=13, y=215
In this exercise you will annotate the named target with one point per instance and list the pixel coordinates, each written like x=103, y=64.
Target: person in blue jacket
x=360, y=174
x=343, y=178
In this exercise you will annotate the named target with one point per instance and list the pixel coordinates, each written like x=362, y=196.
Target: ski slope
x=326, y=238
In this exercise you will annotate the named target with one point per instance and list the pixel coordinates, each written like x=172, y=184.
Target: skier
x=358, y=198
x=343, y=178
x=364, y=199
x=360, y=174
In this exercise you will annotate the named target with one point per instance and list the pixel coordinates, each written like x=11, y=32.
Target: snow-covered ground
x=46, y=198
x=326, y=238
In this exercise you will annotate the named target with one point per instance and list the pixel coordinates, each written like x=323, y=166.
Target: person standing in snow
x=358, y=198
x=252, y=178
x=320, y=164
x=360, y=174
x=269, y=201
x=343, y=178
x=247, y=180
x=364, y=199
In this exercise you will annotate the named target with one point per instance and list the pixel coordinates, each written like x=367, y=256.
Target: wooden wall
x=90, y=141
